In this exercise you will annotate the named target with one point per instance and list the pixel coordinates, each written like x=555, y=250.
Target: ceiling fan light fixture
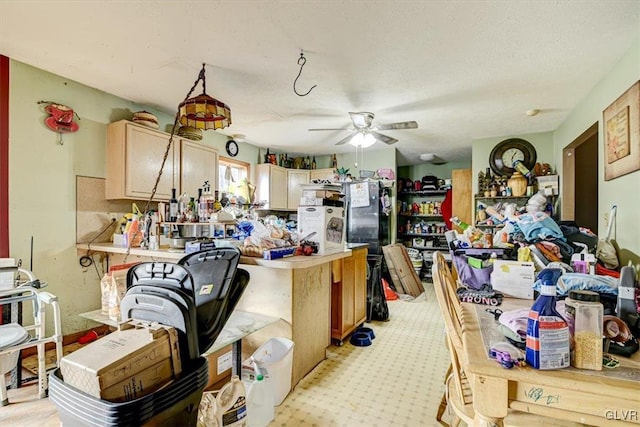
x=432, y=158
x=362, y=139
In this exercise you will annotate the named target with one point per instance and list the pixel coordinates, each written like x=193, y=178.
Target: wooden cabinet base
x=348, y=294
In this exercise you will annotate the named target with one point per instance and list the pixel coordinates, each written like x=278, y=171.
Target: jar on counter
x=584, y=316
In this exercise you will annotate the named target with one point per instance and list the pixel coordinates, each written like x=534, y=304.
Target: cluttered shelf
x=421, y=234
x=422, y=193
x=413, y=215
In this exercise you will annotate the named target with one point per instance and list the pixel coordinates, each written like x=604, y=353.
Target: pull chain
x=164, y=159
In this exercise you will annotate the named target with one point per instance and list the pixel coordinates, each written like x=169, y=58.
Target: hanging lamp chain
x=201, y=76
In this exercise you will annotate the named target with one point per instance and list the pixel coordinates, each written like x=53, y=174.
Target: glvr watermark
x=622, y=414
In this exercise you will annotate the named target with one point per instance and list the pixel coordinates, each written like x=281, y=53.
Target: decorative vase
x=518, y=184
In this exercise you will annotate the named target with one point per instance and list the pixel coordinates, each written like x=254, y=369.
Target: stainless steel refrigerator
x=367, y=214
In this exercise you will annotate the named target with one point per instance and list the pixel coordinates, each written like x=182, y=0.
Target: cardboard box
x=146, y=356
x=220, y=363
x=319, y=201
x=323, y=225
x=321, y=194
x=403, y=275
x=513, y=278
x=548, y=184
x=144, y=382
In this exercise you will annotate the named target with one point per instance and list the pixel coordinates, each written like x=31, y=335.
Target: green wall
x=42, y=179
x=441, y=171
x=622, y=191
x=481, y=149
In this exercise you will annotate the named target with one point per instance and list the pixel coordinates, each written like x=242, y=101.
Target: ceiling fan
x=364, y=135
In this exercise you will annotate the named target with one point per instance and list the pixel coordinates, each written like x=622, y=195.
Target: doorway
x=580, y=181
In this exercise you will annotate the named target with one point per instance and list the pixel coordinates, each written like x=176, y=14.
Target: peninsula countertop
x=293, y=262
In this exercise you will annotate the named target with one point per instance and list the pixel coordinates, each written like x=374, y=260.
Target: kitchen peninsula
x=295, y=289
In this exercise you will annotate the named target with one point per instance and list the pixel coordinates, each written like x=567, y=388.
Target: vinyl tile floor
x=397, y=381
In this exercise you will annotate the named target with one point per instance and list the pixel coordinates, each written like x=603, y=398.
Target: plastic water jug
x=260, y=408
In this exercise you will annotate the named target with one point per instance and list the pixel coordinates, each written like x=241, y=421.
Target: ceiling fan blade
x=362, y=119
x=400, y=125
x=330, y=129
x=345, y=140
x=383, y=138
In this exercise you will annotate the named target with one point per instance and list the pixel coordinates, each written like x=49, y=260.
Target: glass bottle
x=217, y=206
x=183, y=206
x=192, y=210
x=313, y=163
x=173, y=207
x=208, y=200
x=200, y=208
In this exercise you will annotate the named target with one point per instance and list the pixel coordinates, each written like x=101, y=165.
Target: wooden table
x=609, y=397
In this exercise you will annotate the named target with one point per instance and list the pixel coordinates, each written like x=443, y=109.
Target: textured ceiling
x=461, y=69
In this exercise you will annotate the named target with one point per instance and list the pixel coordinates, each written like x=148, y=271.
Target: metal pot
x=179, y=242
x=190, y=230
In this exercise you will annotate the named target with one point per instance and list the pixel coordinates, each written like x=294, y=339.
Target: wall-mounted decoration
x=621, y=122
x=60, y=119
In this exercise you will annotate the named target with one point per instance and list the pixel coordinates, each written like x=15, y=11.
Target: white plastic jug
x=260, y=403
x=232, y=404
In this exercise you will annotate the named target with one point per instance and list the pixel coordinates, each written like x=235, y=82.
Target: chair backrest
x=445, y=289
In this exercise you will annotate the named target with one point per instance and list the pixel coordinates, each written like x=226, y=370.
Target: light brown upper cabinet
x=134, y=155
x=295, y=177
x=198, y=163
x=271, y=185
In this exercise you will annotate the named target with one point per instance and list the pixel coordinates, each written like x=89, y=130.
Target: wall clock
x=232, y=148
x=506, y=152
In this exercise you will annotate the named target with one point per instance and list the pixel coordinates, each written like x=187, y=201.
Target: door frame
x=4, y=156
x=568, y=211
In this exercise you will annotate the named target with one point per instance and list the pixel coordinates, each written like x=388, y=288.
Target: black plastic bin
x=176, y=404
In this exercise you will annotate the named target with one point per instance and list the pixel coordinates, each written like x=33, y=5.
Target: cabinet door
x=144, y=151
x=320, y=174
x=294, y=179
x=278, y=193
x=360, y=286
x=198, y=163
x=271, y=185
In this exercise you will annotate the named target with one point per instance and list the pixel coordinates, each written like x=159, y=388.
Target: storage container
x=175, y=404
x=276, y=355
x=584, y=316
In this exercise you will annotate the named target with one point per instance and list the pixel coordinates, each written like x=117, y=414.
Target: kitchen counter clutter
x=297, y=290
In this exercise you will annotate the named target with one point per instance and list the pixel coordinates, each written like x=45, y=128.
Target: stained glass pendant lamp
x=202, y=111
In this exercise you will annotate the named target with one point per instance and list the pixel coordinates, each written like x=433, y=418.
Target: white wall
x=623, y=191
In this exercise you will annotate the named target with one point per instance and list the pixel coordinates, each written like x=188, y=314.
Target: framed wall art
x=621, y=121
